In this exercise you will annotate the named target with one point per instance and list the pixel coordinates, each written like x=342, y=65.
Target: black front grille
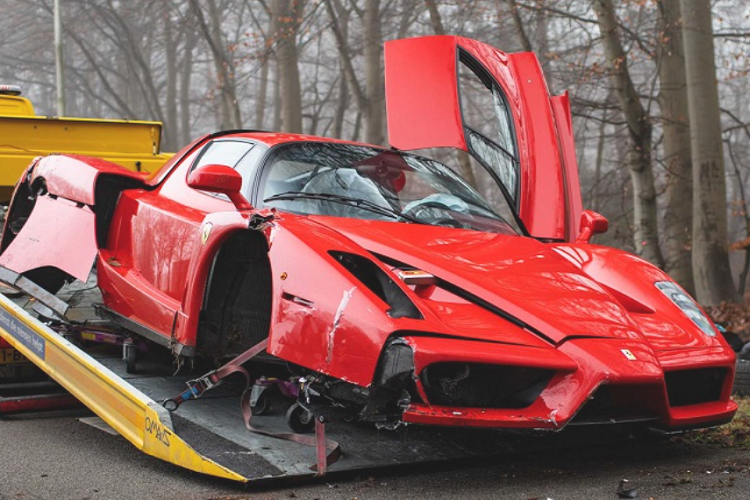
x=617, y=404
x=690, y=387
x=473, y=385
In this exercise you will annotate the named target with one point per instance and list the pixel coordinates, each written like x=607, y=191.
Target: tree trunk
x=260, y=99
x=518, y=24
x=435, y=19
x=596, y=202
x=713, y=277
x=374, y=112
x=231, y=117
x=185, y=77
x=678, y=210
x=746, y=216
x=288, y=16
x=276, y=96
x=343, y=97
x=639, y=135
x=541, y=38
x=170, y=127
x=370, y=99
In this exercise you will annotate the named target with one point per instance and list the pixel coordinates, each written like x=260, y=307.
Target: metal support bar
x=321, y=450
x=38, y=402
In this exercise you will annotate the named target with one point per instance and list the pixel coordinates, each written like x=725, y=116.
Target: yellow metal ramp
x=208, y=435
x=138, y=418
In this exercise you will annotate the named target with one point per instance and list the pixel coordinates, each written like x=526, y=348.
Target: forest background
x=659, y=91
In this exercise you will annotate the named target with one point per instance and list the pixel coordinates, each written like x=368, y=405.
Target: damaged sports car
x=387, y=281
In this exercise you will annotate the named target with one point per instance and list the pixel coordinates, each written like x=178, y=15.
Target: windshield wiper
x=344, y=200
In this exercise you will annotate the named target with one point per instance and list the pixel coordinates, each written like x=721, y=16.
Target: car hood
x=521, y=276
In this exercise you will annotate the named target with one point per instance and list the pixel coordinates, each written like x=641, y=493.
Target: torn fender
x=59, y=194
x=59, y=234
x=75, y=177
x=325, y=316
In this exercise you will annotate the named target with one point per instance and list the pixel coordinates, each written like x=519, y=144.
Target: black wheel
x=130, y=355
x=262, y=405
x=742, y=378
x=300, y=419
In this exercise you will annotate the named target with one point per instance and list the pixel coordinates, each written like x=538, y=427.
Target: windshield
x=327, y=178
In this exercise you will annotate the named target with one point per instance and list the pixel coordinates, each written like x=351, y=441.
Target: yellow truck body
x=23, y=136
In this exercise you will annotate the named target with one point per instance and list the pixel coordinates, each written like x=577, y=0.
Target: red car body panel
x=589, y=316
x=74, y=177
x=623, y=275
x=54, y=223
x=505, y=271
x=573, y=203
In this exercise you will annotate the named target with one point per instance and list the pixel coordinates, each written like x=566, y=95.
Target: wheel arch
x=216, y=231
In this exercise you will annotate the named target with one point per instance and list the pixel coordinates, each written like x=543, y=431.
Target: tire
x=742, y=378
x=300, y=419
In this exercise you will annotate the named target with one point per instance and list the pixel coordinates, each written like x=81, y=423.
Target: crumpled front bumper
x=628, y=371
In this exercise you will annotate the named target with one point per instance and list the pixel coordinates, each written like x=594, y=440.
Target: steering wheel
x=437, y=221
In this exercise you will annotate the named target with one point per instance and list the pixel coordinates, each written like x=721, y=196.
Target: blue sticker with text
x=21, y=332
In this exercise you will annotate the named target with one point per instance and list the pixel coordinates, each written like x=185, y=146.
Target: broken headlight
x=687, y=305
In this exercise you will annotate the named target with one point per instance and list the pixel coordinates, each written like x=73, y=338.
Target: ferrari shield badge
x=628, y=354
x=206, y=232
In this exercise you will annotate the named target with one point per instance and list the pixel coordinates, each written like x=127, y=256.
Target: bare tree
x=370, y=98
x=374, y=110
x=639, y=136
x=678, y=209
x=231, y=116
x=170, y=48
x=287, y=16
x=713, y=278
x=436, y=19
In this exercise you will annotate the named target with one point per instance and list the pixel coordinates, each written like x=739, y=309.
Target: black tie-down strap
x=327, y=451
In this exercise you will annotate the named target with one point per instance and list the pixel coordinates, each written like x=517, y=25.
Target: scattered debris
x=624, y=492
x=673, y=481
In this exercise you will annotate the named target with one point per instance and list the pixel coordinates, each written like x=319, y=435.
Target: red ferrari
x=399, y=291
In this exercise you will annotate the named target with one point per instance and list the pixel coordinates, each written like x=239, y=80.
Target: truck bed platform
x=208, y=435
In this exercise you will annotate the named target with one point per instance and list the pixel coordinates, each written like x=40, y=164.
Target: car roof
x=274, y=138
x=270, y=139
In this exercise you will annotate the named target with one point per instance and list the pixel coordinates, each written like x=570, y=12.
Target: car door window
x=488, y=125
x=248, y=167
x=228, y=153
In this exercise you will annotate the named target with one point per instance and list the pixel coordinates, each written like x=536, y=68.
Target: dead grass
x=735, y=434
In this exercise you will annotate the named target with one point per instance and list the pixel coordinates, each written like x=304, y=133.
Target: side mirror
x=220, y=179
x=591, y=223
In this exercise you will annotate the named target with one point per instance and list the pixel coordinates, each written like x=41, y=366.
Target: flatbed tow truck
x=133, y=144
x=207, y=434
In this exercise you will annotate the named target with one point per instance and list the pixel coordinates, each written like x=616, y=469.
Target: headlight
x=687, y=305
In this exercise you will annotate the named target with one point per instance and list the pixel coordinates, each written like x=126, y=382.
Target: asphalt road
x=61, y=458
